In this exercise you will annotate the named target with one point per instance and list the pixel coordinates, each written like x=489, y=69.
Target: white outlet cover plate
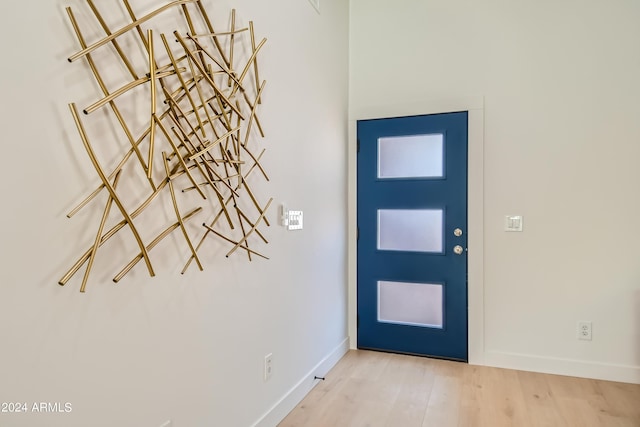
x=268, y=366
x=585, y=330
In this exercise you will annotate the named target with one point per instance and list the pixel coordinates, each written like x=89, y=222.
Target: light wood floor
x=379, y=389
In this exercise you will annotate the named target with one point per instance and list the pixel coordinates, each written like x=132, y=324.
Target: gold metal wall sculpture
x=202, y=89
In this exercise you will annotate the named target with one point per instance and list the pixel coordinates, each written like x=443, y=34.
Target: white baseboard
x=568, y=367
x=289, y=401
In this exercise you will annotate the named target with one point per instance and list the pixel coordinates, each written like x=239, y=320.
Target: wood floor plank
x=444, y=402
x=542, y=408
x=374, y=389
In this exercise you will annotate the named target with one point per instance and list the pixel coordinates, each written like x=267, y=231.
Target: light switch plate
x=513, y=223
x=294, y=220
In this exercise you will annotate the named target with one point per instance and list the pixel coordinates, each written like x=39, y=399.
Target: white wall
x=187, y=348
x=560, y=86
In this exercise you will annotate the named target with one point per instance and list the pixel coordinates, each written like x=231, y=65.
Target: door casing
x=475, y=205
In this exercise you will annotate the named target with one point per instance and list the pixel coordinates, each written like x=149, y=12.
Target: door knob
x=457, y=249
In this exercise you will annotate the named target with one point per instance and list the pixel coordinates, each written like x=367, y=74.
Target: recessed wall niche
x=187, y=148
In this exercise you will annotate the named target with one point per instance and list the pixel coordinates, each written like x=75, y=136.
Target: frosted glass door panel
x=416, y=156
x=417, y=304
x=412, y=230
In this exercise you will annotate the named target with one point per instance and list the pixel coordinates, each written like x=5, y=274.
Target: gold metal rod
x=202, y=142
x=138, y=28
x=236, y=138
x=252, y=106
x=93, y=107
x=74, y=269
x=178, y=173
x=186, y=142
x=177, y=211
x=257, y=163
x=255, y=201
x=184, y=190
x=175, y=104
x=186, y=266
x=85, y=201
x=225, y=121
x=104, y=89
x=126, y=28
x=246, y=218
x=227, y=70
x=180, y=158
x=233, y=162
x=230, y=198
x=153, y=244
x=192, y=30
x=181, y=79
x=219, y=34
x=130, y=152
x=115, y=43
x=222, y=114
x=187, y=17
x=169, y=66
x=208, y=148
x=244, y=233
x=237, y=152
x=96, y=242
x=152, y=79
x=209, y=181
x=178, y=94
x=253, y=115
x=246, y=236
x=204, y=73
x=207, y=21
x=225, y=155
x=221, y=179
x=231, y=43
x=220, y=212
x=203, y=103
x=108, y=186
x=90, y=197
x=145, y=41
x=255, y=63
x=246, y=68
x=191, y=148
x=233, y=242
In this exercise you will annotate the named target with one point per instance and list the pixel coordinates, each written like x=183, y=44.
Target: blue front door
x=412, y=235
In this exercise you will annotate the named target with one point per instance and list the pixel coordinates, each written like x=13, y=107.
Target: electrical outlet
x=584, y=330
x=268, y=366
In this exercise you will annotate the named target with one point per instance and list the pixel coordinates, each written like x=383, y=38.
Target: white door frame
x=475, y=225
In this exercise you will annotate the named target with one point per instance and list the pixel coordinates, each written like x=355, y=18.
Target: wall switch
x=513, y=223
x=295, y=220
x=584, y=330
x=268, y=366
x=290, y=219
